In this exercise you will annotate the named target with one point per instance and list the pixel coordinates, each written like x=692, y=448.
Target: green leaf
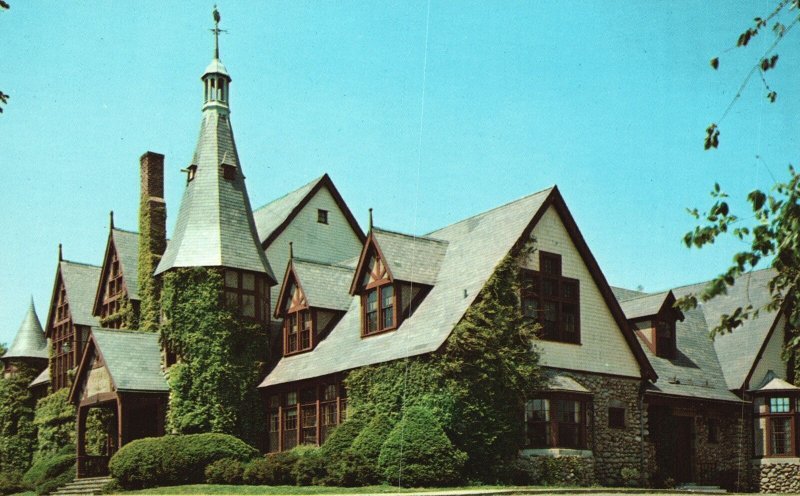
x=715, y=63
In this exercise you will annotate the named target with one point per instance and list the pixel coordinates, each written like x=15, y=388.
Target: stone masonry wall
x=726, y=461
x=779, y=476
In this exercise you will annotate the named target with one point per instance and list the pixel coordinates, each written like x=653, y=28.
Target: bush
x=49, y=473
x=225, y=471
x=275, y=469
x=358, y=464
x=564, y=470
x=630, y=477
x=310, y=466
x=418, y=452
x=336, y=448
x=55, y=420
x=173, y=460
x=11, y=482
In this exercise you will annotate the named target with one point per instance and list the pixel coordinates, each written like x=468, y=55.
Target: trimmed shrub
x=358, y=465
x=225, y=471
x=257, y=472
x=11, y=482
x=564, y=470
x=49, y=473
x=342, y=437
x=275, y=469
x=309, y=469
x=418, y=452
x=173, y=460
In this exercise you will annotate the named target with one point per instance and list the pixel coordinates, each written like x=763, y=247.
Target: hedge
x=358, y=465
x=175, y=459
x=49, y=473
x=225, y=471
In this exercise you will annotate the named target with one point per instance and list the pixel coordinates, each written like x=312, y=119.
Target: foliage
x=98, y=427
x=225, y=471
x=172, y=460
x=564, y=470
x=782, y=20
x=55, y=423
x=124, y=318
x=149, y=288
x=11, y=482
x=17, y=431
x=418, y=452
x=358, y=465
x=777, y=234
x=310, y=466
x=342, y=437
x=476, y=385
x=50, y=472
x=274, y=469
x=214, y=386
x=630, y=477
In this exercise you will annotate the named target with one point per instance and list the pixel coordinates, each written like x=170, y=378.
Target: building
x=632, y=383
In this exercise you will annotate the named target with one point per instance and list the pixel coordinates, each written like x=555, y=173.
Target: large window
x=552, y=300
x=556, y=422
x=298, y=331
x=248, y=293
x=379, y=309
x=778, y=420
x=63, y=342
x=305, y=414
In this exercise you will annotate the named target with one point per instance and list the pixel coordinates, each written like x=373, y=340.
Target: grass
x=291, y=490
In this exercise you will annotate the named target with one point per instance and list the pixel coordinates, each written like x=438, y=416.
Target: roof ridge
x=80, y=263
x=414, y=236
x=121, y=331
x=748, y=273
x=646, y=295
x=125, y=230
x=313, y=181
x=486, y=212
x=334, y=265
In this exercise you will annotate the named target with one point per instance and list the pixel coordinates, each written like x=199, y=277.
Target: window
x=556, y=422
x=616, y=417
x=304, y=415
x=379, y=309
x=63, y=339
x=713, y=431
x=229, y=172
x=778, y=420
x=665, y=338
x=248, y=293
x=322, y=216
x=298, y=330
x=552, y=300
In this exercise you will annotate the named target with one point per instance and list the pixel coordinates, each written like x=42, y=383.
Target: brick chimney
x=152, y=237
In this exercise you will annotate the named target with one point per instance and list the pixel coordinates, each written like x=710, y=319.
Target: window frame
x=322, y=216
x=552, y=422
x=532, y=296
x=293, y=321
x=617, y=420
x=260, y=294
x=771, y=416
x=380, y=308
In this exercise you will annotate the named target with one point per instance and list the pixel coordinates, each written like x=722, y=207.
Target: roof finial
x=60, y=253
x=111, y=219
x=291, y=250
x=370, y=218
x=216, y=31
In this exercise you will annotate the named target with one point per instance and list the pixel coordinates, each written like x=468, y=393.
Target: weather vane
x=216, y=30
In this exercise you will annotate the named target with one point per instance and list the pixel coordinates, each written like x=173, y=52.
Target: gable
x=603, y=348
x=292, y=297
x=371, y=269
x=770, y=357
x=112, y=280
x=97, y=379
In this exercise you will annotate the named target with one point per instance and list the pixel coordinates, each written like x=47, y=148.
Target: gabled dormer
x=653, y=318
x=116, y=302
x=394, y=273
x=312, y=299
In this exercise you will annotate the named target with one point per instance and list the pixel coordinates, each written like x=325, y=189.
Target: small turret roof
x=29, y=341
x=216, y=67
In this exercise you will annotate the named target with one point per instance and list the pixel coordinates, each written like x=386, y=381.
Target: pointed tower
x=215, y=226
x=29, y=346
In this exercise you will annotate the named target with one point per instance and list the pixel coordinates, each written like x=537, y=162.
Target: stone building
x=635, y=388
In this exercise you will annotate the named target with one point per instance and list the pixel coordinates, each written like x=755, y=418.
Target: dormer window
x=665, y=338
x=379, y=309
x=552, y=299
x=229, y=172
x=298, y=330
x=191, y=171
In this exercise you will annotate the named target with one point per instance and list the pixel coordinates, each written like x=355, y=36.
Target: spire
x=29, y=341
x=111, y=219
x=215, y=226
x=216, y=31
x=370, y=218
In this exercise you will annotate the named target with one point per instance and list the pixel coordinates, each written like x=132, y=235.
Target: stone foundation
x=777, y=475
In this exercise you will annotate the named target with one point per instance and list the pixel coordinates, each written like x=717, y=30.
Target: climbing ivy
x=149, y=288
x=55, y=423
x=476, y=384
x=214, y=384
x=99, y=425
x=17, y=431
x=124, y=318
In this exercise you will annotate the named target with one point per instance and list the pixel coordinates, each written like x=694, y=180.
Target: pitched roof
x=475, y=247
x=271, y=219
x=81, y=282
x=737, y=351
x=29, y=341
x=324, y=285
x=626, y=294
x=127, y=244
x=42, y=378
x=772, y=383
x=133, y=359
x=411, y=258
x=644, y=306
x=215, y=226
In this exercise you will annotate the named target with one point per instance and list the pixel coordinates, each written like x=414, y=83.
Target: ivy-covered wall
x=213, y=385
x=476, y=383
x=55, y=423
x=126, y=316
x=17, y=430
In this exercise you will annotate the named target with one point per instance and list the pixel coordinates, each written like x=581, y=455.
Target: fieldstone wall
x=617, y=451
x=777, y=476
x=724, y=462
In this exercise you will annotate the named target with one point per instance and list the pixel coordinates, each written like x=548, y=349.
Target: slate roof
x=411, y=258
x=325, y=285
x=81, y=282
x=737, y=351
x=475, y=247
x=622, y=294
x=42, y=378
x=557, y=381
x=29, y=341
x=215, y=226
x=127, y=244
x=133, y=359
x=643, y=306
x=773, y=383
x=271, y=216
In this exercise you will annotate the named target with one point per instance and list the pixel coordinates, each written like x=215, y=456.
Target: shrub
x=225, y=471
x=49, y=473
x=630, y=477
x=172, y=460
x=275, y=469
x=11, y=482
x=358, y=465
x=257, y=472
x=342, y=437
x=310, y=466
x=17, y=432
x=55, y=421
x=418, y=452
x=565, y=470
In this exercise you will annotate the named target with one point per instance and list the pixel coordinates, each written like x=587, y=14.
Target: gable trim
x=290, y=273
x=760, y=354
x=100, y=292
x=363, y=258
x=326, y=181
x=91, y=345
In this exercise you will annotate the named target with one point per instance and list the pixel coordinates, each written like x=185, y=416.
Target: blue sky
x=608, y=100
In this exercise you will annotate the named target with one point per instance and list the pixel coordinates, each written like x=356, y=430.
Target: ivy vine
x=17, y=430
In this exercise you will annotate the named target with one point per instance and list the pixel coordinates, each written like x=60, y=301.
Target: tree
x=776, y=233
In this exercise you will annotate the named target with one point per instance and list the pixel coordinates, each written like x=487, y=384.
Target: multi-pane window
x=779, y=423
x=290, y=420
x=379, y=309
x=298, y=329
x=555, y=422
x=113, y=291
x=552, y=300
x=63, y=341
x=665, y=338
x=248, y=293
x=305, y=415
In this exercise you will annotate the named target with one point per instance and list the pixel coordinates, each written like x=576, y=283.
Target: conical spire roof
x=29, y=341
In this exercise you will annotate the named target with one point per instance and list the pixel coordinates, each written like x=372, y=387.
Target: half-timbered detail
x=305, y=413
x=130, y=386
x=70, y=318
x=119, y=279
